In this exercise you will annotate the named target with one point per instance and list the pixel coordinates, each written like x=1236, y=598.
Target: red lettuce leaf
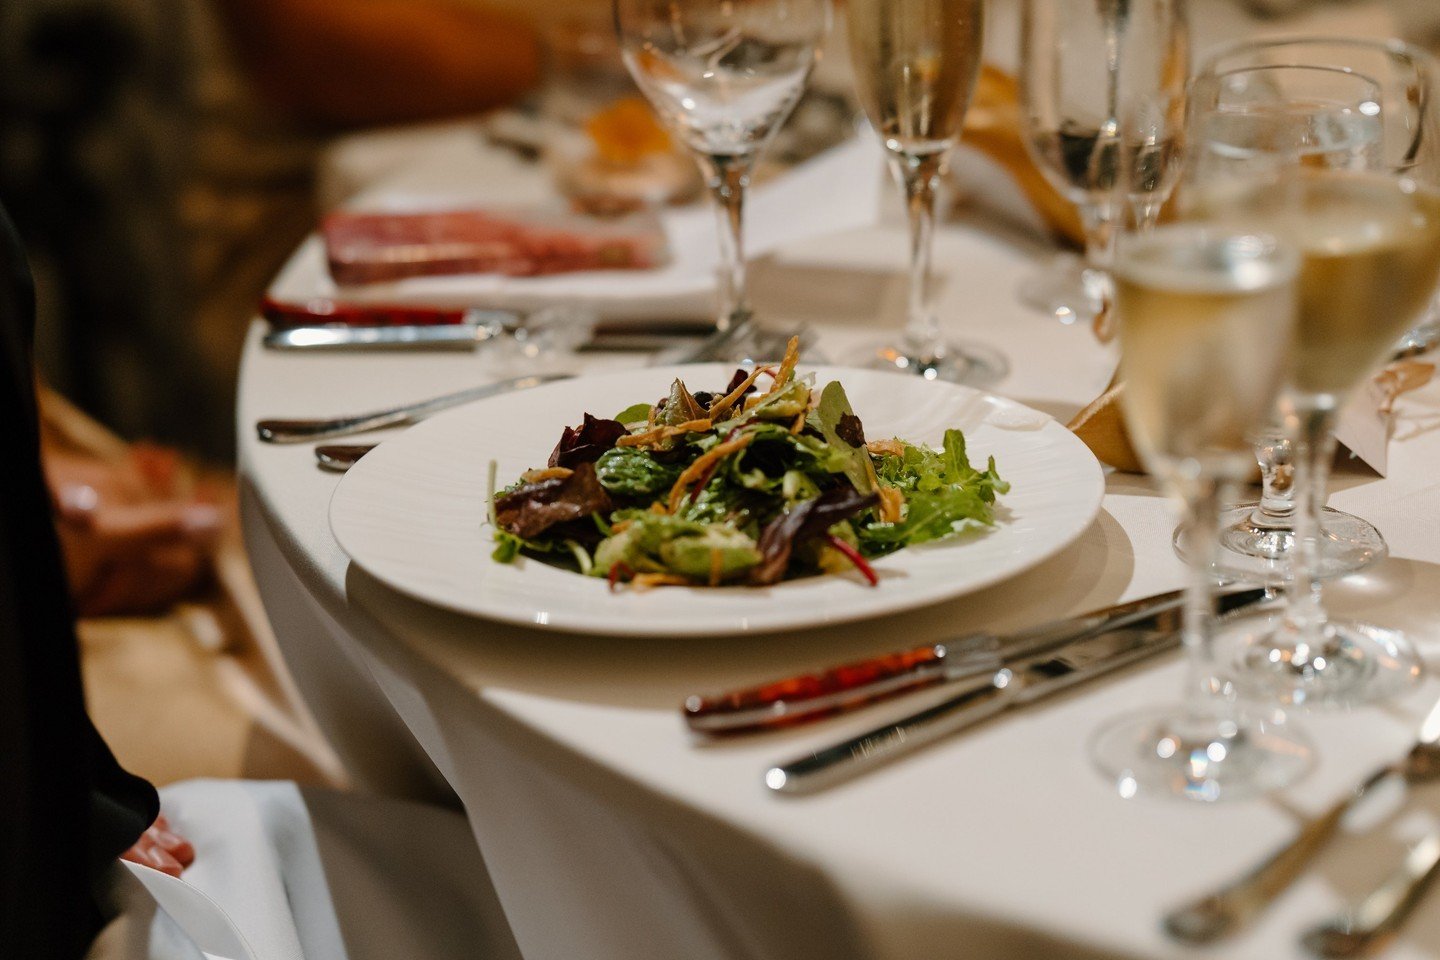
x=531, y=509
x=585, y=443
x=808, y=520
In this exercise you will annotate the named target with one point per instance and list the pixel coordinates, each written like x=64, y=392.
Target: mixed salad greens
x=741, y=486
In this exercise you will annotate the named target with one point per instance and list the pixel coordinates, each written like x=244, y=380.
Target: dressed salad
x=768, y=479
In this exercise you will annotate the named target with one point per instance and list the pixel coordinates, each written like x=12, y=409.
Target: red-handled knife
x=783, y=703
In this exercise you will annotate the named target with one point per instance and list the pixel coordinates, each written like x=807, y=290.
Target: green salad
x=765, y=480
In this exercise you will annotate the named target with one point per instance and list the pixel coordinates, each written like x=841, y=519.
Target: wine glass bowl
x=1102, y=88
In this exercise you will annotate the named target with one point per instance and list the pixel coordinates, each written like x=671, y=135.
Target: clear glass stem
x=1100, y=222
x=1314, y=448
x=1198, y=624
x=919, y=175
x=728, y=176
x=1146, y=213
x=1276, y=510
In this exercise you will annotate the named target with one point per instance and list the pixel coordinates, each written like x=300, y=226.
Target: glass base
x=968, y=363
x=1261, y=554
x=1205, y=756
x=1349, y=665
x=1066, y=288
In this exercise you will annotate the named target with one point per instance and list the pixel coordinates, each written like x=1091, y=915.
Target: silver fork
x=1375, y=922
x=1228, y=910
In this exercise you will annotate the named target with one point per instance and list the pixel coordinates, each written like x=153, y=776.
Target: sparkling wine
x=725, y=96
x=1206, y=320
x=915, y=63
x=1371, y=259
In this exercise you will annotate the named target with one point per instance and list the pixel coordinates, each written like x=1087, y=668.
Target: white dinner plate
x=413, y=511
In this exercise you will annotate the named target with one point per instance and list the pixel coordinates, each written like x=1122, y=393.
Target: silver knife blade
x=439, y=336
x=298, y=431
x=478, y=327
x=1011, y=686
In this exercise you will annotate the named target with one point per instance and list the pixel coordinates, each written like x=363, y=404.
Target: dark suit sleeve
x=67, y=809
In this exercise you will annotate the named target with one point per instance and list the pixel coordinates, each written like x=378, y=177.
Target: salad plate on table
x=702, y=500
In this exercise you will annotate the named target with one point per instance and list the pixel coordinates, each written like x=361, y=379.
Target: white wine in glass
x=1206, y=319
x=1370, y=245
x=916, y=62
x=1246, y=123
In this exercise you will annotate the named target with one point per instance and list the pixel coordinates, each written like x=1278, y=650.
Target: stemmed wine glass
x=1099, y=78
x=1243, y=121
x=724, y=75
x=1205, y=318
x=1370, y=247
x=916, y=62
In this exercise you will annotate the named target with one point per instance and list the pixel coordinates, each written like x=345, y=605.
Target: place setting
x=644, y=454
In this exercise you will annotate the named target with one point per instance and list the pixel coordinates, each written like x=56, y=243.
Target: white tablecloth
x=612, y=835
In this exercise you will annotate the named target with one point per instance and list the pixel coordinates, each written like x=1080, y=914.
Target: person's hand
x=161, y=848
x=135, y=540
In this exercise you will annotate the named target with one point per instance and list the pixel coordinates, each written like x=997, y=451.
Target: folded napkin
x=1364, y=425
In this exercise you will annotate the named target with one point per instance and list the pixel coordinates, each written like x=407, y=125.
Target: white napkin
x=838, y=190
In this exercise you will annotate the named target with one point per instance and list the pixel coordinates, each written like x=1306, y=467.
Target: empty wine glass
x=1205, y=319
x=1244, y=121
x=915, y=64
x=724, y=75
x=1102, y=85
x=1369, y=241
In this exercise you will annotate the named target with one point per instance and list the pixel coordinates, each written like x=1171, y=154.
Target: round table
x=610, y=833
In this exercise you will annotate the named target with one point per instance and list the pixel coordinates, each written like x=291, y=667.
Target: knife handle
x=797, y=699
x=321, y=310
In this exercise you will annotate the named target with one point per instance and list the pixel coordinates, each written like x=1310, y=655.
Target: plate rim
x=568, y=622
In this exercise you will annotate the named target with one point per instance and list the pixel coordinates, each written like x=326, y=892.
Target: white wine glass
x=915, y=63
x=1243, y=121
x=724, y=75
x=1205, y=318
x=1370, y=247
x=1102, y=88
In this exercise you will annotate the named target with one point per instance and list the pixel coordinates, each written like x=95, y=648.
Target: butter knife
x=479, y=327
x=1015, y=684
x=800, y=699
x=298, y=431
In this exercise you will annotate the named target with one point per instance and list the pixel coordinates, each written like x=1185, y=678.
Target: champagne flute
x=724, y=75
x=1244, y=121
x=1370, y=247
x=1206, y=318
x=1103, y=93
x=916, y=62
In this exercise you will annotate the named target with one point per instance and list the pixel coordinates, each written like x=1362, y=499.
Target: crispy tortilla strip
x=546, y=473
x=787, y=365
x=717, y=566
x=656, y=434
x=703, y=463
x=799, y=423
x=886, y=448
x=729, y=400
x=644, y=581
x=890, y=505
